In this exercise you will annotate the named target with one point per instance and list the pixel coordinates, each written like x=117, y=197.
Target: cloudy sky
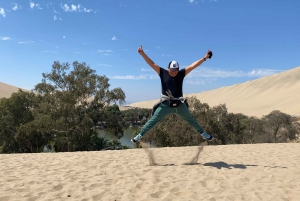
x=250, y=39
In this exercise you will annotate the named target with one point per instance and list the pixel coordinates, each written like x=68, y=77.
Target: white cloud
x=32, y=5
x=195, y=82
x=262, y=72
x=87, y=10
x=47, y=4
x=200, y=81
x=2, y=12
x=206, y=72
x=16, y=7
x=144, y=69
x=207, y=75
x=133, y=77
x=129, y=77
x=26, y=42
x=74, y=8
x=5, y=38
x=56, y=18
x=105, y=51
x=114, y=38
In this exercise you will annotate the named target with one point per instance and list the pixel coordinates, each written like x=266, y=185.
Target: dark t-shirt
x=174, y=84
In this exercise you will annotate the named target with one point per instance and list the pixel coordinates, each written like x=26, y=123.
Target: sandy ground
x=231, y=172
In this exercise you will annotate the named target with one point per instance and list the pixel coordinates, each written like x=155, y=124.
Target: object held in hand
x=210, y=54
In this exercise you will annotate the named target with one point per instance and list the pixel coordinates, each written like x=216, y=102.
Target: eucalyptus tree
x=280, y=126
x=14, y=112
x=75, y=99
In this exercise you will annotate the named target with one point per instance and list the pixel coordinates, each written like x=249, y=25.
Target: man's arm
x=148, y=60
x=197, y=63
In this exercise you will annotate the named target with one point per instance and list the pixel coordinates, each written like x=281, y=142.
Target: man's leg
x=161, y=112
x=184, y=113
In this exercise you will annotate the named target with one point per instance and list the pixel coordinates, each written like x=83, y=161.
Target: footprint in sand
x=193, y=161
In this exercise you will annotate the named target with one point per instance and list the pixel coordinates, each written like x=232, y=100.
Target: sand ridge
x=6, y=90
x=253, y=98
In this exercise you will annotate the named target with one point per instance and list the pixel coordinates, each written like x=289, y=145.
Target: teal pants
x=164, y=110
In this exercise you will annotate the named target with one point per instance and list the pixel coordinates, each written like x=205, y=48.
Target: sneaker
x=206, y=136
x=133, y=140
x=136, y=138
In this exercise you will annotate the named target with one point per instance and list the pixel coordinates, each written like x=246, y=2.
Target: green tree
x=280, y=126
x=75, y=99
x=14, y=112
x=98, y=143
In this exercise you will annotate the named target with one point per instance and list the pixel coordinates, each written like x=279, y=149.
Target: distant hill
x=254, y=98
x=6, y=90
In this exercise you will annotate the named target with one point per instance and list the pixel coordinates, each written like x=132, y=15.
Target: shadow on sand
x=221, y=164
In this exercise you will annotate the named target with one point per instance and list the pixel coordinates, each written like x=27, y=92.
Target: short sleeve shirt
x=174, y=84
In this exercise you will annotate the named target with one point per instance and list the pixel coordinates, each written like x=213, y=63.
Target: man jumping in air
x=172, y=101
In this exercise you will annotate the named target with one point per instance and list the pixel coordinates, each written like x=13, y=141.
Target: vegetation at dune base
x=60, y=113
x=66, y=110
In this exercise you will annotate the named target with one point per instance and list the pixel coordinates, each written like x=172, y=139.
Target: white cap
x=174, y=66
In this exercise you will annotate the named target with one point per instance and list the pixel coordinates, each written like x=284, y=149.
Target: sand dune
x=6, y=90
x=254, y=98
x=268, y=172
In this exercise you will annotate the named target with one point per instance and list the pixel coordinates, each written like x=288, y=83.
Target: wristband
x=204, y=58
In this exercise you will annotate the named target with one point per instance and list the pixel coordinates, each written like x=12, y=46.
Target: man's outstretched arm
x=148, y=60
x=197, y=63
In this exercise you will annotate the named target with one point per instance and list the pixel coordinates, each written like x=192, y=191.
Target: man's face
x=172, y=73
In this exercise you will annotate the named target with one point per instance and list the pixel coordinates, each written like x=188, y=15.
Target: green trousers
x=164, y=110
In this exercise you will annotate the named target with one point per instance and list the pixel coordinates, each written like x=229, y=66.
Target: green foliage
x=115, y=126
x=98, y=143
x=14, y=112
x=67, y=105
x=114, y=144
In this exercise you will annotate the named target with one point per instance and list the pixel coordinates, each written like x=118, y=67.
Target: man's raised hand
x=208, y=54
x=140, y=50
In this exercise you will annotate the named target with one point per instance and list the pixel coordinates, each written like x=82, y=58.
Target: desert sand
x=6, y=90
x=253, y=98
x=230, y=172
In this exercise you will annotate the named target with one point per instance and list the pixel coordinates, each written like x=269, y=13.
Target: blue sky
x=250, y=39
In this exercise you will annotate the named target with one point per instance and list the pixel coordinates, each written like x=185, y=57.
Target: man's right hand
x=140, y=50
x=148, y=60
